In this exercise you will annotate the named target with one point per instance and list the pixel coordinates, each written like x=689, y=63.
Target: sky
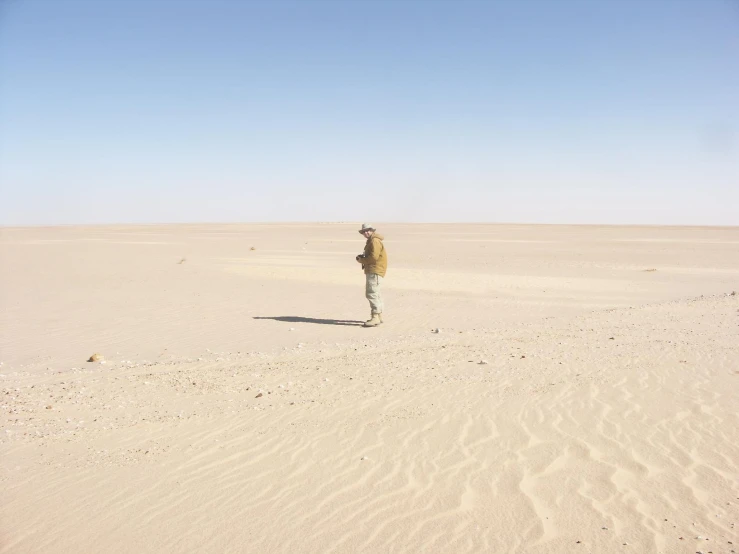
x=531, y=111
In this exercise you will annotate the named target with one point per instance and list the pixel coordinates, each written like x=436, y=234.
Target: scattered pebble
x=96, y=358
x=437, y=330
x=259, y=395
x=483, y=362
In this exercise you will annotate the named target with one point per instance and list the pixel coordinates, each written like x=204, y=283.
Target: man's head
x=367, y=230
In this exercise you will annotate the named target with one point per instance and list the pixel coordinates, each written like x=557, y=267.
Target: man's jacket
x=374, y=259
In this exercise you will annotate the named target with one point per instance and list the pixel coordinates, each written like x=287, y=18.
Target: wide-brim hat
x=366, y=227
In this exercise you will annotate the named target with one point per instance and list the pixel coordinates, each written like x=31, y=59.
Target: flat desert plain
x=534, y=389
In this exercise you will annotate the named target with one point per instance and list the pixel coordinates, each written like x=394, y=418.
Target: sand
x=580, y=396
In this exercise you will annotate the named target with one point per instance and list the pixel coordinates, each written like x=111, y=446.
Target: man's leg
x=380, y=303
x=372, y=292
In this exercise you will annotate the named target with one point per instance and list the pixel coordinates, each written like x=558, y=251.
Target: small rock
x=259, y=395
x=96, y=358
x=437, y=330
x=48, y=407
x=483, y=362
x=253, y=248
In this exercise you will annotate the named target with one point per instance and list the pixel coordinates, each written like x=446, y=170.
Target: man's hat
x=366, y=227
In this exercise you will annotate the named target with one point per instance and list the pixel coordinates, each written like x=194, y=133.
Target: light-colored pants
x=372, y=292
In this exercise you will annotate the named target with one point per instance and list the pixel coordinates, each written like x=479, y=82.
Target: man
x=374, y=263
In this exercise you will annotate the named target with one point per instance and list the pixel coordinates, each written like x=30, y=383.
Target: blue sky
x=590, y=111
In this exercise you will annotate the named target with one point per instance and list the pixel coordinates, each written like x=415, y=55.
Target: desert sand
x=580, y=394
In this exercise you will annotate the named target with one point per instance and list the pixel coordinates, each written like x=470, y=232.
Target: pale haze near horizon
x=500, y=111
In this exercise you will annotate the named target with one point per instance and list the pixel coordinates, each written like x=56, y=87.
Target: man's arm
x=372, y=253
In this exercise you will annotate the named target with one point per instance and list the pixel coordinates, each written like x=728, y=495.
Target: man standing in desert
x=374, y=263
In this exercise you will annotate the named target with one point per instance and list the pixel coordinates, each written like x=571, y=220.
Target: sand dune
x=572, y=402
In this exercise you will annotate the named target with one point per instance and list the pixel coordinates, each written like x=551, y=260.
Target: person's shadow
x=296, y=319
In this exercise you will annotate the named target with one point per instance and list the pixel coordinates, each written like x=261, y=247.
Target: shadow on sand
x=295, y=319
